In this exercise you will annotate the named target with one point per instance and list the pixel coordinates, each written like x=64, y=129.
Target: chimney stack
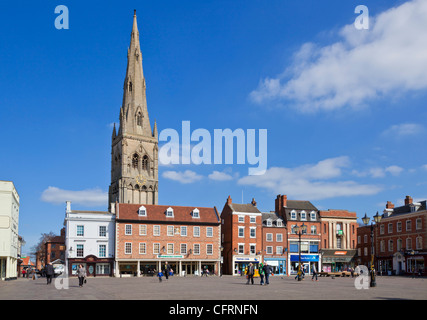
x=408, y=200
x=229, y=200
x=389, y=205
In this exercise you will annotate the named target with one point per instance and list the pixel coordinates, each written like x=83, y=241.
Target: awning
x=339, y=255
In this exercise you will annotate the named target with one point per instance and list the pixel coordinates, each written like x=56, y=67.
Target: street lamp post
x=377, y=219
x=299, y=231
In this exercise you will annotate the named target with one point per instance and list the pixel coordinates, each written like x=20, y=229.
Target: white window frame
x=252, y=249
x=269, y=237
x=196, y=231
x=169, y=212
x=252, y=219
x=102, y=231
x=269, y=250
x=142, y=248
x=209, y=232
x=279, y=249
x=241, y=232
x=156, y=230
x=209, y=249
x=279, y=237
x=293, y=215
x=303, y=215
x=142, y=211
x=183, y=231
x=170, y=231
x=252, y=232
x=313, y=216
x=183, y=246
x=142, y=229
x=128, y=245
x=156, y=248
x=99, y=250
x=128, y=229
x=170, y=248
x=241, y=248
x=196, y=252
x=196, y=213
x=241, y=219
x=82, y=229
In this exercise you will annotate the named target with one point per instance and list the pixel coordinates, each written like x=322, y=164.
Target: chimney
x=68, y=206
x=389, y=205
x=277, y=204
x=284, y=201
x=253, y=202
x=408, y=200
x=229, y=200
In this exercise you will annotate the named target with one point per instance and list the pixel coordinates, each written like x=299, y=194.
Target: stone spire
x=134, y=117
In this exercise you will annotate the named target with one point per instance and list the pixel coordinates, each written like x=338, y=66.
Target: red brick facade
x=188, y=240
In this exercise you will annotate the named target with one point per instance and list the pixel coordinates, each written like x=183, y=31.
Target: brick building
x=55, y=248
x=364, y=245
x=147, y=236
x=241, y=236
x=338, y=239
x=296, y=213
x=274, y=242
x=401, y=238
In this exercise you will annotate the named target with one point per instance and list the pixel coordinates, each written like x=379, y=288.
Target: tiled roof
x=157, y=213
x=249, y=208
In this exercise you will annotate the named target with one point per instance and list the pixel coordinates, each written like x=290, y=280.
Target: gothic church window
x=135, y=160
x=145, y=163
x=139, y=119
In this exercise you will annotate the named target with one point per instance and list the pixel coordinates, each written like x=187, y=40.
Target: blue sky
x=344, y=108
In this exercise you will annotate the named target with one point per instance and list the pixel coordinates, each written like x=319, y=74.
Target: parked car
x=58, y=269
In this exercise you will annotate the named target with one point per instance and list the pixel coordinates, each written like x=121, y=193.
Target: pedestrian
x=352, y=272
x=267, y=272
x=167, y=270
x=250, y=273
x=314, y=272
x=23, y=273
x=160, y=275
x=49, y=273
x=261, y=273
x=81, y=273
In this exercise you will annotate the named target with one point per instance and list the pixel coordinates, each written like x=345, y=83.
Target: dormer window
x=142, y=211
x=313, y=216
x=169, y=212
x=269, y=223
x=279, y=223
x=293, y=215
x=196, y=213
x=303, y=215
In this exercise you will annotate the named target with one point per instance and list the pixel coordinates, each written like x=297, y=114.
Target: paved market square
x=215, y=288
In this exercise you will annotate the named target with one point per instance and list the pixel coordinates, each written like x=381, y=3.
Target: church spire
x=134, y=99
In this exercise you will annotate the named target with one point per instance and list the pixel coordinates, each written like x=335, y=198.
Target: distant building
x=241, y=236
x=401, y=238
x=274, y=242
x=297, y=213
x=9, y=238
x=54, y=248
x=148, y=236
x=89, y=241
x=339, y=239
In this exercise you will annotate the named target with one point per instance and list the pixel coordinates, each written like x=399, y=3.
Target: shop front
x=415, y=263
x=307, y=263
x=94, y=266
x=242, y=262
x=278, y=265
x=338, y=260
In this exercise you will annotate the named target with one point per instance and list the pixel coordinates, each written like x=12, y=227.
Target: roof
x=409, y=208
x=26, y=261
x=272, y=216
x=157, y=213
x=248, y=208
x=300, y=205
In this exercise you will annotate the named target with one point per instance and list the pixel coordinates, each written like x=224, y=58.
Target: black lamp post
x=299, y=231
x=377, y=219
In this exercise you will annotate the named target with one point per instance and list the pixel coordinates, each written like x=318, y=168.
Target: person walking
x=49, y=273
x=81, y=273
x=314, y=270
x=167, y=270
x=160, y=275
x=261, y=273
x=267, y=272
x=250, y=273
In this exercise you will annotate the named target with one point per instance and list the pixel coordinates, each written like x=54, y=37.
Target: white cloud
x=424, y=167
x=378, y=172
x=89, y=197
x=388, y=59
x=311, y=181
x=220, y=176
x=187, y=176
x=403, y=130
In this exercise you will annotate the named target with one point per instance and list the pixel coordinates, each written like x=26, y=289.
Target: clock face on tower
x=141, y=180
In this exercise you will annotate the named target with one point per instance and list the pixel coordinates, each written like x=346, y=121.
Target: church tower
x=134, y=147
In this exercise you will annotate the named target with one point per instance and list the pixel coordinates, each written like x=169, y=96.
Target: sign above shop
x=170, y=256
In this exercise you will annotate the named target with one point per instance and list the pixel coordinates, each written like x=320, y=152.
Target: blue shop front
x=307, y=262
x=278, y=265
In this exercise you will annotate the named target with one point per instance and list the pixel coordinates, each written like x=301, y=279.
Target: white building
x=9, y=220
x=89, y=241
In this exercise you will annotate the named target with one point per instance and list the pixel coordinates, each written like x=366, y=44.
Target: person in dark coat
x=250, y=273
x=49, y=273
x=267, y=272
x=167, y=270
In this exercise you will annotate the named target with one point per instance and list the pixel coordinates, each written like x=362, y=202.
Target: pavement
x=213, y=288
